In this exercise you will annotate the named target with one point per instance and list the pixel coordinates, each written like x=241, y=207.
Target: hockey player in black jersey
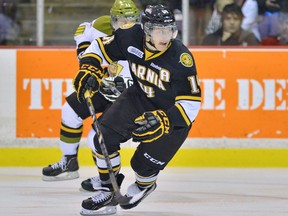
x=157, y=111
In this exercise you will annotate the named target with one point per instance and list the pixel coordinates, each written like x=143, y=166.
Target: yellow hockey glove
x=87, y=78
x=153, y=125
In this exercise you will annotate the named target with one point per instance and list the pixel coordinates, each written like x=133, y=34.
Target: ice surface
x=180, y=192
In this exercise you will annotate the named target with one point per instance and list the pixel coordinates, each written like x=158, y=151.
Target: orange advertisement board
x=44, y=78
x=244, y=92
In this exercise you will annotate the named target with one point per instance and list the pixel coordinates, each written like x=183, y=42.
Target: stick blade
x=122, y=200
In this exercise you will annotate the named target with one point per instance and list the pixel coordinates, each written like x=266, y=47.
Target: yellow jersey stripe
x=93, y=55
x=84, y=46
x=150, y=55
x=103, y=51
x=184, y=115
x=186, y=97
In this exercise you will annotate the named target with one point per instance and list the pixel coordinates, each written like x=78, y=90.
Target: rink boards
x=242, y=122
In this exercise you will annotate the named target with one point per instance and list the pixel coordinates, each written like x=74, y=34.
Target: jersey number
x=148, y=90
x=194, y=83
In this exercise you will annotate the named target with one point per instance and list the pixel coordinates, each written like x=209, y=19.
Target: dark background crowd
x=211, y=22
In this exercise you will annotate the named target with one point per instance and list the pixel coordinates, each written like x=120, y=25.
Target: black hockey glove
x=153, y=125
x=88, y=78
x=120, y=83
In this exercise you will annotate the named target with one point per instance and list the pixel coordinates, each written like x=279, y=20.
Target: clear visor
x=118, y=21
x=156, y=30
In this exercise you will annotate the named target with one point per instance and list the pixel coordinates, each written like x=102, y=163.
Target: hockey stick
x=122, y=200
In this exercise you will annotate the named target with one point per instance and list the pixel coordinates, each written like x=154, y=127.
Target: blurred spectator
x=231, y=33
x=9, y=29
x=199, y=17
x=215, y=20
x=283, y=29
x=269, y=11
x=249, y=9
x=282, y=38
x=250, y=12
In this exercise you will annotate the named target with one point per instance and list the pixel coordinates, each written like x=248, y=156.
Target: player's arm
x=155, y=124
x=86, y=33
x=90, y=74
x=103, y=50
x=81, y=38
x=187, y=89
x=187, y=102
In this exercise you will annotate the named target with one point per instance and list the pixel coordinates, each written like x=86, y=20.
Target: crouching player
x=157, y=111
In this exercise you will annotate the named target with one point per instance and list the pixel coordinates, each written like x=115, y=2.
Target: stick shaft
x=99, y=135
x=122, y=200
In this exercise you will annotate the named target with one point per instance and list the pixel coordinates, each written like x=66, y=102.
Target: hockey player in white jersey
x=74, y=112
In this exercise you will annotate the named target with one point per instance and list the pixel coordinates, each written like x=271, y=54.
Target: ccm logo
x=153, y=160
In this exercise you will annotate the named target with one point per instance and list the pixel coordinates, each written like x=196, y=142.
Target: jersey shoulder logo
x=127, y=26
x=186, y=60
x=114, y=69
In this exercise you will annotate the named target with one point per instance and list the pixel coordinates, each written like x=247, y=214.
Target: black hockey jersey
x=168, y=79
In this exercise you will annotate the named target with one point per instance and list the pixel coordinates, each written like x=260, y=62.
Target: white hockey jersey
x=89, y=31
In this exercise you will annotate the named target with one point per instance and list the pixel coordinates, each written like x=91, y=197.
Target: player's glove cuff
x=81, y=48
x=154, y=125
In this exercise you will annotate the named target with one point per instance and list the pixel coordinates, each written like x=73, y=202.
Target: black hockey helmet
x=158, y=15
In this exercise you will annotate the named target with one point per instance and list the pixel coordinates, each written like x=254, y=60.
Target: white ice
x=180, y=192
